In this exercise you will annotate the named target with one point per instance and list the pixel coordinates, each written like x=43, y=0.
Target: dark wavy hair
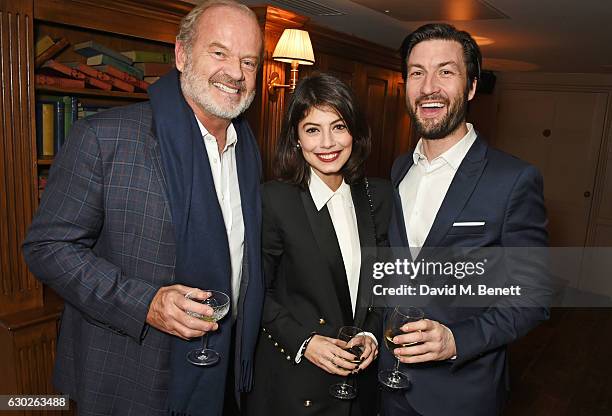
x=321, y=91
x=442, y=31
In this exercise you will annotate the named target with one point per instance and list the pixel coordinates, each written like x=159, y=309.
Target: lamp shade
x=294, y=46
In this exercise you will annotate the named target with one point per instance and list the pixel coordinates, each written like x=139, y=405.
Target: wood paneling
x=148, y=19
x=266, y=112
x=378, y=87
x=18, y=199
x=597, y=124
x=405, y=136
x=27, y=350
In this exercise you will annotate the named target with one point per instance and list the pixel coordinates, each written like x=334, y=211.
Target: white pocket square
x=469, y=224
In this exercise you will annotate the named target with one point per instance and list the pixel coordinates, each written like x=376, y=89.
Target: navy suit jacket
x=103, y=239
x=507, y=194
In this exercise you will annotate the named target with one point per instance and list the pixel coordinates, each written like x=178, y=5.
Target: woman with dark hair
x=318, y=218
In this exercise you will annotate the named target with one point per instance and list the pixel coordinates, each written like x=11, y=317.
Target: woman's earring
x=297, y=146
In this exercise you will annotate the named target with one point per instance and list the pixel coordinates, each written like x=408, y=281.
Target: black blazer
x=507, y=195
x=307, y=292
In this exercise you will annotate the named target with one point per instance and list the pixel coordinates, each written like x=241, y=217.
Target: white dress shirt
x=424, y=187
x=342, y=213
x=225, y=177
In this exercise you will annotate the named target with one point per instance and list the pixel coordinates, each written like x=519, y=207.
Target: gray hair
x=187, y=28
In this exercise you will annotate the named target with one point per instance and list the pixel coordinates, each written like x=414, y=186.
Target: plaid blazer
x=103, y=239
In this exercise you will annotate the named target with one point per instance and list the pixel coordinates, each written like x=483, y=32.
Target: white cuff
x=371, y=335
x=302, y=350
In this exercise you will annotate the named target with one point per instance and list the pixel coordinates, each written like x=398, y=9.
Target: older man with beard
x=147, y=204
x=456, y=191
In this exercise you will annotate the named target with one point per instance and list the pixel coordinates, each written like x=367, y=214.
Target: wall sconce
x=294, y=47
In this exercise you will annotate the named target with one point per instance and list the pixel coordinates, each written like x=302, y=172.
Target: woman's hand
x=370, y=350
x=328, y=354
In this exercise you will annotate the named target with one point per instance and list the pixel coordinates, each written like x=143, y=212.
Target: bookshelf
x=88, y=99
x=90, y=92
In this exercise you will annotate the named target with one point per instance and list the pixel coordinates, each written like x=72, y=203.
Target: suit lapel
x=155, y=155
x=397, y=215
x=367, y=242
x=325, y=236
x=459, y=192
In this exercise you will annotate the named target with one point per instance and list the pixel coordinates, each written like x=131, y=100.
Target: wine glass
x=220, y=304
x=394, y=378
x=354, y=339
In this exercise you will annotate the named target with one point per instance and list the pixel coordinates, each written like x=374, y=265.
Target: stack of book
x=46, y=48
x=114, y=64
x=102, y=67
x=55, y=116
x=152, y=64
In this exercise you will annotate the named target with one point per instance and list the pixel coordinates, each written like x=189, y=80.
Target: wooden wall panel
x=377, y=90
x=18, y=199
x=35, y=354
x=344, y=69
x=404, y=137
x=266, y=113
x=148, y=19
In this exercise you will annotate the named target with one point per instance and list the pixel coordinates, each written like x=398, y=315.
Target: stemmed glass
x=220, y=304
x=354, y=345
x=393, y=378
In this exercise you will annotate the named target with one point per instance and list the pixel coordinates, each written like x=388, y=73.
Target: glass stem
x=204, y=341
x=397, y=364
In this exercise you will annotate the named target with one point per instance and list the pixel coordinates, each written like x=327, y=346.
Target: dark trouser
x=394, y=403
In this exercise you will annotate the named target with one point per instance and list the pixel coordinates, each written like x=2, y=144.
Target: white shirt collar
x=231, y=139
x=320, y=192
x=453, y=156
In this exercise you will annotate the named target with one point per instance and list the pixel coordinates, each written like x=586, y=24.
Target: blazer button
x=307, y=403
x=321, y=321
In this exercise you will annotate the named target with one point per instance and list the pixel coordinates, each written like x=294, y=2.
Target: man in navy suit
x=149, y=203
x=456, y=191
